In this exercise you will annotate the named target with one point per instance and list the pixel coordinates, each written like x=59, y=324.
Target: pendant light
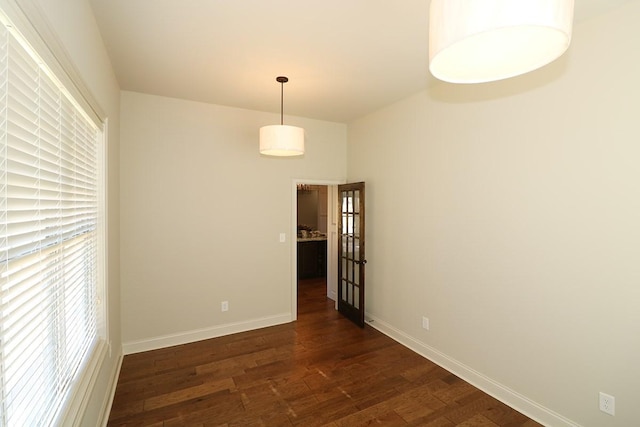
x=281, y=140
x=475, y=41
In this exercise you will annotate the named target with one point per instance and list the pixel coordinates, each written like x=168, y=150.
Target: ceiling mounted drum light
x=281, y=140
x=475, y=41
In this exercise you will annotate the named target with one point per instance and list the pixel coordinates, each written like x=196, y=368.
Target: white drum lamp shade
x=281, y=140
x=475, y=41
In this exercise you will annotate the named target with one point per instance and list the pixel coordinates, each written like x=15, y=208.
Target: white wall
x=509, y=214
x=201, y=215
x=73, y=26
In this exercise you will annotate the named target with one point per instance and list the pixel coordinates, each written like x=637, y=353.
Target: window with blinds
x=50, y=221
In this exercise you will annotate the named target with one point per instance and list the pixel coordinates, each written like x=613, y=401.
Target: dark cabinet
x=312, y=259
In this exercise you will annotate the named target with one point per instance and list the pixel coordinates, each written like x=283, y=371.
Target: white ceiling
x=344, y=58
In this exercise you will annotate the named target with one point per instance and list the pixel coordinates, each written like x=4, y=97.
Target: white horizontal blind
x=49, y=238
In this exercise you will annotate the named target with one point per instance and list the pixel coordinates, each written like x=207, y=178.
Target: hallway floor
x=319, y=370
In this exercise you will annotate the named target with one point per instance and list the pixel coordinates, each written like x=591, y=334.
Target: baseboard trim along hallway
x=187, y=337
x=493, y=388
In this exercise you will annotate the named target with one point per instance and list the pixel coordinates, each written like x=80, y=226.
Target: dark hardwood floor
x=319, y=370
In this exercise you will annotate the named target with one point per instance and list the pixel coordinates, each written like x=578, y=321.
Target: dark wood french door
x=351, y=257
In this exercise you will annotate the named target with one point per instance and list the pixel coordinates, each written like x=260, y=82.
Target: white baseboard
x=186, y=337
x=504, y=394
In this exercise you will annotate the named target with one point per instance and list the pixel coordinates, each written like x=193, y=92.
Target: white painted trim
x=108, y=401
x=528, y=407
x=71, y=414
x=186, y=337
x=332, y=244
x=34, y=26
x=293, y=232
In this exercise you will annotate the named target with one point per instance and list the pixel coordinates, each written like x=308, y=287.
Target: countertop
x=311, y=239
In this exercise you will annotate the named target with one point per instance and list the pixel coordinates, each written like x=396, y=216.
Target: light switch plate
x=425, y=323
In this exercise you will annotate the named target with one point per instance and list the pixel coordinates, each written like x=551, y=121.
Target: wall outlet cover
x=607, y=403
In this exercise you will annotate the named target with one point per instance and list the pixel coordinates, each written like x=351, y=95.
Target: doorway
x=315, y=231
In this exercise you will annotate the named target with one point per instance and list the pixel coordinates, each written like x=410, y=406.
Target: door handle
x=363, y=262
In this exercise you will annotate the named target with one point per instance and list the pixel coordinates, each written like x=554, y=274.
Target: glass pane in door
x=356, y=297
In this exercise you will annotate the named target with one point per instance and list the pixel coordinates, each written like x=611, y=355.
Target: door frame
x=332, y=249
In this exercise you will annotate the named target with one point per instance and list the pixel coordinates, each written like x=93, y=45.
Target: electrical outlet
x=425, y=323
x=224, y=306
x=607, y=403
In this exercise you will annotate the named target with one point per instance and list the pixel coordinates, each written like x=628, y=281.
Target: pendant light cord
x=282, y=80
x=281, y=103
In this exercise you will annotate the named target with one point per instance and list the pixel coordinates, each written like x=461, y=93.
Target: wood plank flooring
x=318, y=371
